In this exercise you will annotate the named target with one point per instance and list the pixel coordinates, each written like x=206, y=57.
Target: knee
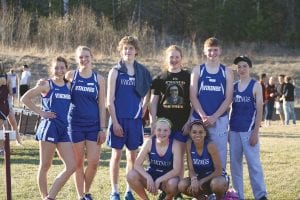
x=71, y=167
x=219, y=185
x=93, y=163
x=133, y=177
x=45, y=166
x=172, y=186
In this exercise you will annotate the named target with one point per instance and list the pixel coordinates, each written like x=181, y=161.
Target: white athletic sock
x=128, y=189
x=115, y=188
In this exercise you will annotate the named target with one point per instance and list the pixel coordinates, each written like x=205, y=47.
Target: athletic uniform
x=174, y=100
x=242, y=122
x=211, y=94
x=13, y=82
x=128, y=107
x=159, y=165
x=83, y=118
x=203, y=165
x=57, y=100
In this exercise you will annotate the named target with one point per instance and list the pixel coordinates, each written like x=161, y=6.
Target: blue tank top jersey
x=242, y=118
x=211, y=90
x=203, y=164
x=160, y=164
x=57, y=100
x=84, y=109
x=128, y=104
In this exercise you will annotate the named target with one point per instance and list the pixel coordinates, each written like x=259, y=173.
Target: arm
x=102, y=109
x=34, y=92
x=69, y=75
x=153, y=109
x=257, y=92
x=111, y=88
x=194, y=92
x=194, y=186
x=228, y=98
x=177, y=160
x=146, y=101
x=138, y=165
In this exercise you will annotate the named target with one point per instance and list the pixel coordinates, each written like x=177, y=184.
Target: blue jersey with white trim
x=84, y=108
x=160, y=164
x=211, y=90
x=57, y=100
x=128, y=104
x=243, y=114
x=203, y=164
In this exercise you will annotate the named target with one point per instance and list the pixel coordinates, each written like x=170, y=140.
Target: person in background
x=211, y=94
x=128, y=86
x=245, y=120
x=87, y=117
x=25, y=80
x=279, y=100
x=11, y=100
x=288, y=101
x=52, y=131
x=206, y=175
x=263, y=83
x=4, y=105
x=162, y=173
x=271, y=94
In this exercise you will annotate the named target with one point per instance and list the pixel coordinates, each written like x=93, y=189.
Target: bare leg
x=13, y=123
x=93, y=157
x=137, y=183
x=47, y=151
x=114, y=168
x=79, y=173
x=130, y=159
x=66, y=154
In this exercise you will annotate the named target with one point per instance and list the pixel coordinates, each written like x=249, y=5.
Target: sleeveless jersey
x=84, y=109
x=128, y=104
x=4, y=105
x=160, y=165
x=242, y=118
x=203, y=164
x=57, y=100
x=211, y=90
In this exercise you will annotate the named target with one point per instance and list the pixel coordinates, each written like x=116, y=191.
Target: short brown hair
x=129, y=40
x=211, y=42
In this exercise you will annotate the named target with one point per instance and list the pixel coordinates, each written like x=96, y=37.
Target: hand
x=253, y=140
x=157, y=184
x=48, y=115
x=41, y=82
x=151, y=185
x=194, y=187
x=186, y=128
x=118, y=130
x=101, y=137
x=209, y=121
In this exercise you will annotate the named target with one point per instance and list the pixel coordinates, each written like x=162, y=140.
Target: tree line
x=233, y=21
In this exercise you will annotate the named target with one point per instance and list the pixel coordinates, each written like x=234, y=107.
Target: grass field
x=280, y=154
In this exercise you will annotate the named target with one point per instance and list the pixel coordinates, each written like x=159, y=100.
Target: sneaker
x=263, y=198
x=88, y=196
x=178, y=197
x=114, y=196
x=129, y=196
x=162, y=196
x=211, y=197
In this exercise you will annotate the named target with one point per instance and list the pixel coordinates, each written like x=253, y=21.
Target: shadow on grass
x=279, y=135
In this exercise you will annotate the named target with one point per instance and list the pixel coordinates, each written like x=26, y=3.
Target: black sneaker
x=162, y=196
x=178, y=197
x=263, y=198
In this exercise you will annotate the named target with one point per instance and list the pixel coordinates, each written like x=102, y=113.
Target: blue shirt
x=57, y=100
x=211, y=90
x=84, y=109
x=243, y=114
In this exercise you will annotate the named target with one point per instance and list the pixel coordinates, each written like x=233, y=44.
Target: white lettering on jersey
x=62, y=96
x=131, y=81
x=84, y=89
x=244, y=99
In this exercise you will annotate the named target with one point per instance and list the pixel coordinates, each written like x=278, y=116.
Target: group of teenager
x=188, y=116
x=278, y=96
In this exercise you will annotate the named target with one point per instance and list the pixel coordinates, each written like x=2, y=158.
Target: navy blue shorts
x=50, y=131
x=179, y=136
x=79, y=133
x=133, y=134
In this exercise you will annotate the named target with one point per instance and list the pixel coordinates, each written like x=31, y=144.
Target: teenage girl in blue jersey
x=128, y=83
x=245, y=120
x=206, y=175
x=87, y=116
x=211, y=94
x=164, y=155
x=52, y=130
